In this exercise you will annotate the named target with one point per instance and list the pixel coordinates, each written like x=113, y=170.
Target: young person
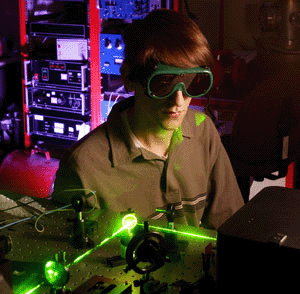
x=153, y=150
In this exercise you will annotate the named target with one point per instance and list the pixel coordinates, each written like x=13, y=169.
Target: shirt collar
x=145, y=152
x=123, y=149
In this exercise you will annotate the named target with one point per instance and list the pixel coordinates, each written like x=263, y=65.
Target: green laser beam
x=128, y=222
x=166, y=230
x=35, y=288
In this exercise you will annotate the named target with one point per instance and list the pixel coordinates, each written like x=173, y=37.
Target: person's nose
x=178, y=98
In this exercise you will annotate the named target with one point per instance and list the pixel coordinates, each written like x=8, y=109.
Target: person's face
x=164, y=114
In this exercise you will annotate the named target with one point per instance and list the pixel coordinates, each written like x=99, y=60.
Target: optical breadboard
x=33, y=250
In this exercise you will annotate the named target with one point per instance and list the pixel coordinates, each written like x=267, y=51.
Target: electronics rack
x=116, y=15
x=56, y=71
x=71, y=73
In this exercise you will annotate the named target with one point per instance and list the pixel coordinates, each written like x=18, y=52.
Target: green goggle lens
x=165, y=80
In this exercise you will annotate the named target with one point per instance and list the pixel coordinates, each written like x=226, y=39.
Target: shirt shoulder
x=102, y=143
x=199, y=124
x=90, y=144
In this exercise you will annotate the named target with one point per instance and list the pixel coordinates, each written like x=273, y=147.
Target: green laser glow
x=33, y=289
x=200, y=118
x=50, y=272
x=166, y=230
x=129, y=221
x=79, y=258
x=56, y=274
x=54, y=271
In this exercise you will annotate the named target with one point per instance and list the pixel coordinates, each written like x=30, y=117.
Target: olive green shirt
x=196, y=177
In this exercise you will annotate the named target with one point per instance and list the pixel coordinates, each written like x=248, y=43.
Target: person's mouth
x=173, y=114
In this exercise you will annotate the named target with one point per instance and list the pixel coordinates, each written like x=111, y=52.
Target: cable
x=8, y=221
x=121, y=88
x=59, y=209
x=18, y=206
x=64, y=208
x=46, y=213
x=108, y=106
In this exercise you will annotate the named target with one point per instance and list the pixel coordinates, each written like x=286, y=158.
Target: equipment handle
x=83, y=77
x=41, y=151
x=26, y=82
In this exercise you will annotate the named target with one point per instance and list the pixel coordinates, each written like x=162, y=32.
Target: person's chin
x=171, y=124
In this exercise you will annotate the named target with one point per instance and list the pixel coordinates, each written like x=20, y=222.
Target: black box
x=259, y=246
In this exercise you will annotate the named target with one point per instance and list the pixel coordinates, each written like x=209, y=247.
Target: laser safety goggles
x=165, y=80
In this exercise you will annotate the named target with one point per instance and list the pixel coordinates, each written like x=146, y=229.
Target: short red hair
x=164, y=36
